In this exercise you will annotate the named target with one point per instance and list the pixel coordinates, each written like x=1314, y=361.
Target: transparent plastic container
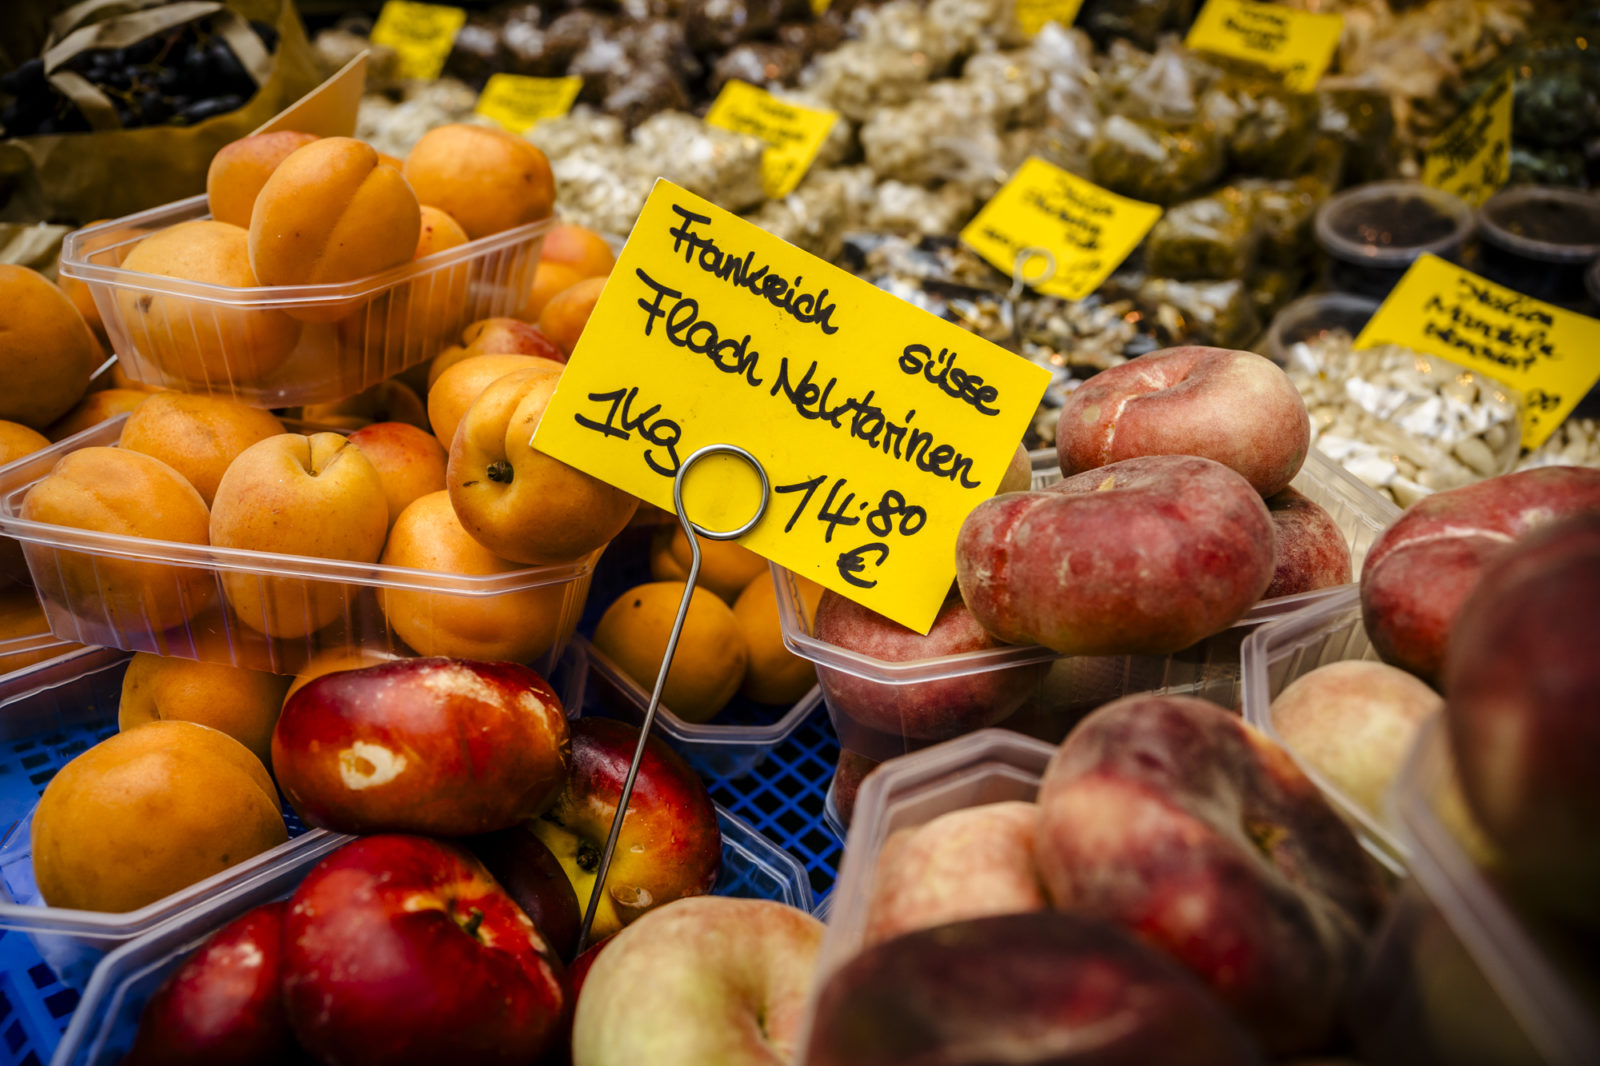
x=1371, y=234
x=74, y=569
x=288, y=345
x=989, y=766
x=730, y=746
x=1540, y=240
x=1277, y=655
x=1052, y=692
x=103, y=1028
x=1313, y=316
x=1457, y=975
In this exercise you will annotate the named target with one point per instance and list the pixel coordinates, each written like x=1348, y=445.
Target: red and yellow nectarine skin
x=533, y=877
x=441, y=746
x=1312, y=552
x=401, y=950
x=669, y=845
x=1237, y=408
x=1421, y=570
x=1141, y=557
x=1523, y=686
x=1171, y=817
x=224, y=1004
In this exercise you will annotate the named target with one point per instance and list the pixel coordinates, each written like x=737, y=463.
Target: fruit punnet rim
x=1553, y=1016
x=1273, y=642
x=76, y=262
x=703, y=733
x=19, y=476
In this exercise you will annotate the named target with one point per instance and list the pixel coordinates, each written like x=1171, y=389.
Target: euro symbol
x=853, y=562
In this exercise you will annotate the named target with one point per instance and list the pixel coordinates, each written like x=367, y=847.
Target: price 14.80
x=839, y=507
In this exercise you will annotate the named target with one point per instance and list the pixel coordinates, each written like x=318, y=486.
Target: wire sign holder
x=690, y=530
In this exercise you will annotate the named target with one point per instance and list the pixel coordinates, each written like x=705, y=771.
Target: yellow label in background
x=818, y=7
x=793, y=134
x=1545, y=352
x=1089, y=230
x=518, y=103
x=1033, y=14
x=880, y=426
x=1472, y=156
x=421, y=34
x=1299, y=45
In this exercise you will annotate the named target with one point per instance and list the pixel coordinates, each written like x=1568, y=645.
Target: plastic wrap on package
x=1269, y=130
x=759, y=63
x=1362, y=121
x=813, y=217
x=1286, y=211
x=1273, y=287
x=578, y=128
x=1220, y=313
x=1011, y=86
x=857, y=185
x=911, y=209
x=717, y=25
x=601, y=187
x=904, y=26
x=810, y=36
x=1140, y=21
x=1402, y=421
x=859, y=76
x=721, y=166
x=943, y=135
x=1071, y=99
x=1156, y=162
x=1166, y=86
x=1214, y=236
x=967, y=25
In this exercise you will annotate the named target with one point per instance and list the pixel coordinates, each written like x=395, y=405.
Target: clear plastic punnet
x=119, y=591
x=1049, y=692
x=103, y=1027
x=288, y=345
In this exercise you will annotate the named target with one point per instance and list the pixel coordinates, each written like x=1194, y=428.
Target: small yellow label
x=1088, y=230
x=793, y=134
x=880, y=426
x=1472, y=156
x=1033, y=14
x=818, y=7
x=1299, y=45
x=518, y=103
x=1543, y=351
x=421, y=34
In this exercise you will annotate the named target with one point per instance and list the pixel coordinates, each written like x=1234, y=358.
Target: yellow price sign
x=818, y=7
x=1298, y=45
x=1033, y=14
x=1471, y=157
x=879, y=425
x=1543, y=351
x=421, y=34
x=518, y=103
x=793, y=134
x=1088, y=230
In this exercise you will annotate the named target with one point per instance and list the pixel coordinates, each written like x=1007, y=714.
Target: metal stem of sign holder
x=1020, y=281
x=690, y=530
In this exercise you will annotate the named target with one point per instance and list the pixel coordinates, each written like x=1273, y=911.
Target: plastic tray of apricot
x=73, y=568
x=1278, y=654
x=1071, y=685
x=286, y=345
x=103, y=1026
x=1458, y=974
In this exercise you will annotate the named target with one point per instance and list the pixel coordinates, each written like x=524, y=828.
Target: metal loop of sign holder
x=1020, y=281
x=690, y=529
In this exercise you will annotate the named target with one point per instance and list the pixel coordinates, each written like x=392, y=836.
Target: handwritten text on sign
x=1472, y=156
x=793, y=134
x=1089, y=230
x=1299, y=45
x=518, y=103
x=421, y=35
x=1541, y=350
x=880, y=426
x=1033, y=14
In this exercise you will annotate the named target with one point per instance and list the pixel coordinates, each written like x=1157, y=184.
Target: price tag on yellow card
x=1472, y=156
x=1033, y=14
x=819, y=7
x=421, y=34
x=1299, y=45
x=880, y=426
x=1545, y=352
x=518, y=103
x=1088, y=230
x=793, y=134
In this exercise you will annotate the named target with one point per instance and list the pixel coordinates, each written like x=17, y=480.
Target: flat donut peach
x=1235, y=407
x=1421, y=570
x=1141, y=557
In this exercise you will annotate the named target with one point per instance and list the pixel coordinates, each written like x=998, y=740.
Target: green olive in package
x=1273, y=130
x=1158, y=162
x=1285, y=213
x=1362, y=122
x=1212, y=237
